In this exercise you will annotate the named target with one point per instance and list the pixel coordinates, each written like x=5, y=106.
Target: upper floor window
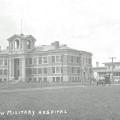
x=5, y=62
x=34, y=70
x=45, y=70
x=17, y=44
x=5, y=71
x=40, y=60
x=29, y=60
x=58, y=70
x=21, y=45
x=1, y=71
x=29, y=44
x=78, y=59
x=39, y=70
x=58, y=58
x=45, y=60
x=53, y=59
x=1, y=61
x=29, y=70
x=53, y=69
x=72, y=59
x=35, y=60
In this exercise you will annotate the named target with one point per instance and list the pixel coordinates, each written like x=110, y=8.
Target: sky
x=87, y=25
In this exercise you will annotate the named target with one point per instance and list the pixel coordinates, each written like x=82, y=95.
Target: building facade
x=23, y=61
x=113, y=69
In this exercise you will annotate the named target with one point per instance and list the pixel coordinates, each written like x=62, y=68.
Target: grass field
x=81, y=103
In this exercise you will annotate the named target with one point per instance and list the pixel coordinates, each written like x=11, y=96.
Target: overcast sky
x=88, y=25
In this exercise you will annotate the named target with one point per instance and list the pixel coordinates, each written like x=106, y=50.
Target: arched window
x=16, y=44
x=28, y=44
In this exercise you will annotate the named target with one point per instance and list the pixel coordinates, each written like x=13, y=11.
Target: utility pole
x=112, y=58
x=21, y=25
x=62, y=58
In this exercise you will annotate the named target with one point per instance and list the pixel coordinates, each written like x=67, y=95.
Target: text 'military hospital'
x=23, y=61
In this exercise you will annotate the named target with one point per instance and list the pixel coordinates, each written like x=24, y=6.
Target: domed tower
x=21, y=43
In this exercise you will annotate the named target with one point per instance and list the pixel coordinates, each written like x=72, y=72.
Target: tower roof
x=21, y=36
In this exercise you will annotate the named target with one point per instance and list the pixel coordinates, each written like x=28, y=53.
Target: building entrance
x=16, y=68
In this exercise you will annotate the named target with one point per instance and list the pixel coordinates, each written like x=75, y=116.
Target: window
x=35, y=60
x=21, y=45
x=44, y=59
x=45, y=79
x=34, y=79
x=1, y=72
x=90, y=70
x=30, y=60
x=16, y=44
x=5, y=71
x=26, y=61
x=72, y=59
x=58, y=79
x=78, y=59
x=45, y=70
x=39, y=71
x=78, y=70
x=76, y=78
x=73, y=69
x=34, y=70
x=61, y=79
x=28, y=44
x=5, y=62
x=89, y=60
x=40, y=79
x=58, y=59
x=58, y=69
x=53, y=69
x=5, y=79
x=53, y=59
x=40, y=60
x=30, y=80
x=29, y=71
x=53, y=79
x=1, y=62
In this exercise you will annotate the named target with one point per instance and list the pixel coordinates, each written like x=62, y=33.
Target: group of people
x=103, y=80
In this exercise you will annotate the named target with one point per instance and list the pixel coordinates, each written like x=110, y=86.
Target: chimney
x=55, y=44
x=97, y=64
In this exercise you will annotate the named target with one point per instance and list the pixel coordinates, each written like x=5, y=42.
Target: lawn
x=80, y=103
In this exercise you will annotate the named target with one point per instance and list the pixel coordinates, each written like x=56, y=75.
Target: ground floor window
x=57, y=79
x=5, y=79
x=53, y=79
x=75, y=79
x=39, y=79
x=45, y=79
x=34, y=79
x=29, y=79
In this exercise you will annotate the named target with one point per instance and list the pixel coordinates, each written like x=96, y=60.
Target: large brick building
x=22, y=61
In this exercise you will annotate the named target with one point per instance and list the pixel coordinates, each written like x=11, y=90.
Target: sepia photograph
x=59, y=60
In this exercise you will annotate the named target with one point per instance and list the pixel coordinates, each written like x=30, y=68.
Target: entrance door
x=16, y=68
